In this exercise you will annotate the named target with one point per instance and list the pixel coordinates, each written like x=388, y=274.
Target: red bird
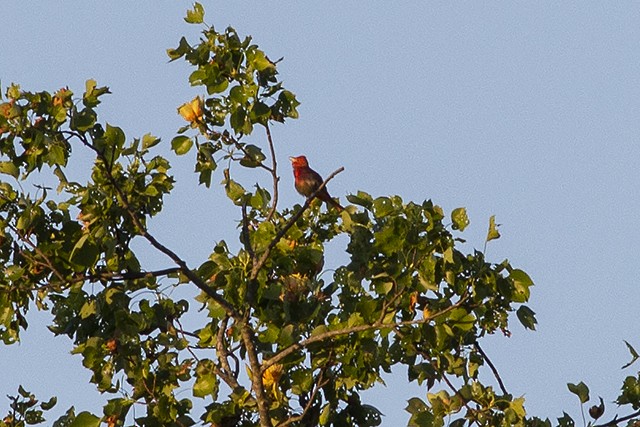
x=307, y=181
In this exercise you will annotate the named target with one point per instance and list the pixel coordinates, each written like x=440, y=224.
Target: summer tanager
x=307, y=181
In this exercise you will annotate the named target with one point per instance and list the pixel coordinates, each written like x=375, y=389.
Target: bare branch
x=492, y=367
x=245, y=232
x=274, y=174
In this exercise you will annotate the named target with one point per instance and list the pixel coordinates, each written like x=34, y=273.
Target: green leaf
x=181, y=144
x=149, y=141
x=253, y=156
x=460, y=219
x=89, y=308
x=361, y=199
x=630, y=392
x=566, y=421
x=56, y=154
x=9, y=168
x=382, y=206
x=581, y=390
x=521, y=283
x=527, y=317
x=634, y=355
x=195, y=16
x=260, y=112
x=323, y=420
x=493, y=233
x=206, y=381
x=85, y=419
x=182, y=49
x=234, y=190
x=462, y=320
x=83, y=120
x=92, y=93
x=416, y=405
x=23, y=392
x=84, y=253
x=50, y=404
x=113, y=138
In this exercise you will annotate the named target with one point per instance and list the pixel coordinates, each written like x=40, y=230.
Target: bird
x=307, y=181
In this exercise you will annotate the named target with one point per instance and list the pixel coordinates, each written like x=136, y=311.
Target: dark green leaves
x=26, y=409
x=630, y=393
x=527, y=317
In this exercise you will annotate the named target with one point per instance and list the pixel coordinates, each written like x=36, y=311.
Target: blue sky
x=525, y=110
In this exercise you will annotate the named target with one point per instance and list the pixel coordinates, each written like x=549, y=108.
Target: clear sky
x=526, y=110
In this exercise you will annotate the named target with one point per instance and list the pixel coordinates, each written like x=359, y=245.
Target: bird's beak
x=292, y=159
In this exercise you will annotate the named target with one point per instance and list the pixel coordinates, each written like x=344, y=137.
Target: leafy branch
x=324, y=336
x=193, y=277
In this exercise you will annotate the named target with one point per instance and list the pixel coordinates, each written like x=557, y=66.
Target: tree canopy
x=282, y=339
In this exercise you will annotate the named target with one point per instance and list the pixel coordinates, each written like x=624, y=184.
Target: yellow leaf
x=272, y=375
x=192, y=111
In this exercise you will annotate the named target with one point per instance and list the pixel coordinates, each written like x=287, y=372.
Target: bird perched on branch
x=307, y=181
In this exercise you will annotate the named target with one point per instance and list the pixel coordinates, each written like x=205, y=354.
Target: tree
x=281, y=342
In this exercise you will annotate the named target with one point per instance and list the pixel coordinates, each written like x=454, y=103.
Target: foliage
x=309, y=343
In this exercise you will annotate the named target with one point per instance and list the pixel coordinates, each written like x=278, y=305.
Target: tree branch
x=274, y=175
x=191, y=275
x=346, y=331
x=492, y=367
x=223, y=355
x=128, y=275
x=245, y=232
x=615, y=421
x=256, y=379
x=257, y=265
x=319, y=383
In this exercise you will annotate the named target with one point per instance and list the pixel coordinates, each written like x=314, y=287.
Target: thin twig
x=491, y=366
x=616, y=420
x=223, y=354
x=465, y=402
x=246, y=238
x=274, y=175
x=47, y=262
x=128, y=275
x=259, y=263
x=320, y=382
